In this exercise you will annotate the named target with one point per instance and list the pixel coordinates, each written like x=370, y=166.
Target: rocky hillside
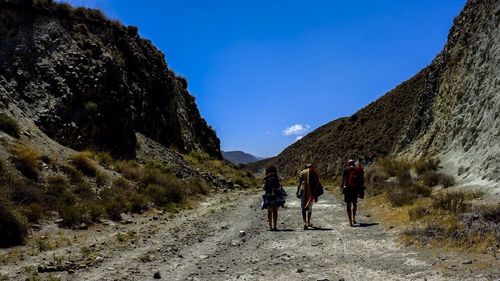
x=91, y=83
x=450, y=109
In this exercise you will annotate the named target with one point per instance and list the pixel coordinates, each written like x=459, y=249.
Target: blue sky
x=265, y=73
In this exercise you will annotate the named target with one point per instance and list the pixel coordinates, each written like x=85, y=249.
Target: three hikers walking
x=308, y=191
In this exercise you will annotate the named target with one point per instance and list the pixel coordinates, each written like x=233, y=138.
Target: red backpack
x=355, y=177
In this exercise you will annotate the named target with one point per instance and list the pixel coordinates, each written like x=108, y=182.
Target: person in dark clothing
x=352, y=184
x=274, y=196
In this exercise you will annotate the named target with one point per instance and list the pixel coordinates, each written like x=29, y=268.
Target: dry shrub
x=101, y=180
x=198, y=186
x=129, y=169
x=13, y=226
x=161, y=195
x=394, y=167
x=423, y=165
x=104, y=158
x=375, y=180
x=73, y=214
x=83, y=161
x=33, y=212
x=74, y=175
x=198, y=156
x=27, y=160
x=118, y=200
x=401, y=197
x=417, y=212
x=432, y=178
x=446, y=180
x=9, y=125
x=453, y=202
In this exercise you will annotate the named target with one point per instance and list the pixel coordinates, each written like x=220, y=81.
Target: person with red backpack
x=352, y=186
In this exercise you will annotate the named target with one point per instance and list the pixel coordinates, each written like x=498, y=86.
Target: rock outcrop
x=91, y=83
x=449, y=110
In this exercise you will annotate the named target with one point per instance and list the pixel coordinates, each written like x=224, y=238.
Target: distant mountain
x=239, y=157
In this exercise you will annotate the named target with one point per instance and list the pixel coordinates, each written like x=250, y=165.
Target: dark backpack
x=271, y=183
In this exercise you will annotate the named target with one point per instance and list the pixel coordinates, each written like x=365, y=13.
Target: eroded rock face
x=92, y=84
x=450, y=109
x=466, y=127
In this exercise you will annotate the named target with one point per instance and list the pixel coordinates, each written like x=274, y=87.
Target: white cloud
x=296, y=129
x=298, y=138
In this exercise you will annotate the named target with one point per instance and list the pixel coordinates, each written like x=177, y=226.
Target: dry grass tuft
x=129, y=169
x=423, y=165
x=27, y=160
x=13, y=226
x=9, y=125
x=84, y=162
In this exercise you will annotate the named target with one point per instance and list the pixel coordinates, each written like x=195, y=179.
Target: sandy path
x=204, y=244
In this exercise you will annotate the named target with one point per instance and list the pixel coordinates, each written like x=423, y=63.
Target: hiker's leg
x=304, y=216
x=354, y=208
x=348, y=204
x=270, y=217
x=309, y=214
x=275, y=217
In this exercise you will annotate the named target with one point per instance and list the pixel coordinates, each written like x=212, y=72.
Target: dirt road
x=205, y=244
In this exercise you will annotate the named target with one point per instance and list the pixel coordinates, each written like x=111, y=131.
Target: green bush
x=9, y=125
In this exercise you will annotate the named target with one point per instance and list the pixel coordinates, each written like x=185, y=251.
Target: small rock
x=83, y=226
x=126, y=219
x=157, y=275
x=467, y=262
x=300, y=270
x=242, y=233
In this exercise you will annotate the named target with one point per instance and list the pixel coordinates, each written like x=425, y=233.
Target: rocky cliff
x=91, y=83
x=450, y=109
